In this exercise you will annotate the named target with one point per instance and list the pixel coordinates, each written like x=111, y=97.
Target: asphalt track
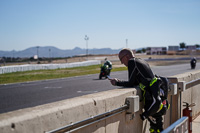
x=30, y=94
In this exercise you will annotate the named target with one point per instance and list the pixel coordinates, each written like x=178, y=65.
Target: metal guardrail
x=182, y=86
x=180, y=126
x=175, y=88
x=192, y=83
x=89, y=121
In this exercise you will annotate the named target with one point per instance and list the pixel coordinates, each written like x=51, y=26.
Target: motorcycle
x=104, y=72
x=193, y=63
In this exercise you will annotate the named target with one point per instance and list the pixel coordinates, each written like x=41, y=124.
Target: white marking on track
x=52, y=87
x=87, y=91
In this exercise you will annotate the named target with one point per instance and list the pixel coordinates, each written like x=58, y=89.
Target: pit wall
x=51, y=116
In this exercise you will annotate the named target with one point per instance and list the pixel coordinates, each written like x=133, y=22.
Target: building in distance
x=156, y=50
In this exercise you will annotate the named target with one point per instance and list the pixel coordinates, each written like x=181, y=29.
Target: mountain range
x=50, y=51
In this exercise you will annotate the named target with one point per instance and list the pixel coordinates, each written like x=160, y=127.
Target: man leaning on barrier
x=154, y=88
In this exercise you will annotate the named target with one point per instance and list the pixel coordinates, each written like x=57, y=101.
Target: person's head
x=125, y=55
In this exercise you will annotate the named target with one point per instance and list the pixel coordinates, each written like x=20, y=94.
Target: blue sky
x=107, y=23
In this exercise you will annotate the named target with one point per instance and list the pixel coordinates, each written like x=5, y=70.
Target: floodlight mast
x=49, y=55
x=37, y=53
x=86, y=39
x=126, y=43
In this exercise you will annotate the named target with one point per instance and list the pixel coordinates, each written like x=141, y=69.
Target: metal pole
x=86, y=39
x=38, y=54
x=49, y=55
x=179, y=126
x=126, y=43
x=192, y=83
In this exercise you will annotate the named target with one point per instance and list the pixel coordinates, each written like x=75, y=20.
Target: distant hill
x=50, y=51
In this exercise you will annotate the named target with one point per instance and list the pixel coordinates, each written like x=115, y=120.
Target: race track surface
x=30, y=94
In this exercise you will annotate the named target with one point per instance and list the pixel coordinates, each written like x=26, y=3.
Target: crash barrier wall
x=56, y=115
x=29, y=67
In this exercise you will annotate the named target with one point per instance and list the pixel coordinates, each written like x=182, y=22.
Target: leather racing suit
x=140, y=73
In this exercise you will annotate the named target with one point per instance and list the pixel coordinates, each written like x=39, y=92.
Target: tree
x=197, y=46
x=182, y=45
x=143, y=50
x=139, y=51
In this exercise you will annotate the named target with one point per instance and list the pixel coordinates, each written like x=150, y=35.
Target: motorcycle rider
x=193, y=62
x=109, y=64
x=140, y=73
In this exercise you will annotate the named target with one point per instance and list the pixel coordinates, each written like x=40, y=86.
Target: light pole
x=12, y=59
x=86, y=39
x=38, y=54
x=126, y=43
x=49, y=55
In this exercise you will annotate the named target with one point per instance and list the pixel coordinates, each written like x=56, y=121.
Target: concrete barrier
x=190, y=95
x=51, y=116
x=28, y=67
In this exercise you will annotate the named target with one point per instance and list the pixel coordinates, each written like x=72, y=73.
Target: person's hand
x=114, y=81
x=143, y=116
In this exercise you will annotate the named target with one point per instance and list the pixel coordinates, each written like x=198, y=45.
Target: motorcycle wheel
x=100, y=76
x=193, y=66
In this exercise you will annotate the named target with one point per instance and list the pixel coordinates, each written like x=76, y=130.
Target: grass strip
x=51, y=74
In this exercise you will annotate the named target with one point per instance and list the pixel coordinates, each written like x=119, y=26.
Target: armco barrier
x=29, y=67
x=52, y=116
